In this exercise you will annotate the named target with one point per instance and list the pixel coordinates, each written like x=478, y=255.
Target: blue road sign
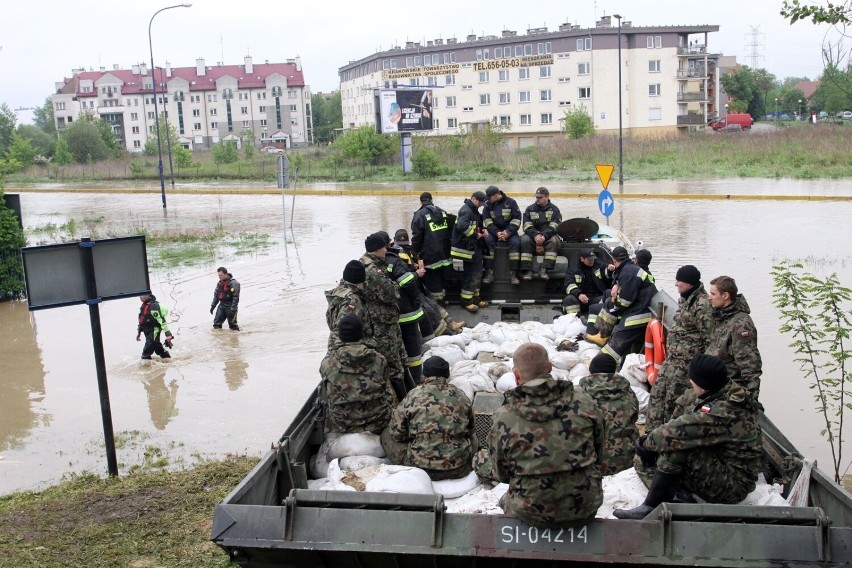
x=606, y=203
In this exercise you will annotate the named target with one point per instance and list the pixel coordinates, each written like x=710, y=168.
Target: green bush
x=11, y=241
x=426, y=163
x=578, y=123
x=138, y=167
x=225, y=152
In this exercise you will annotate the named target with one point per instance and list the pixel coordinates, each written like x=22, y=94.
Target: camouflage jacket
x=734, y=341
x=693, y=322
x=380, y=292
x=724, y=424
x=544, y=443
x=339, y=299
x=357, y=386
x=620, y=410
x=435, y=420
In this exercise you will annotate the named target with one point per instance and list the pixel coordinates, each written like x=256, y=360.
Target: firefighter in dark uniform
x=410, y=310
x=540, y=223
x=501, y=217
x=586, y=286
x=467, y=248
x=430, y=242
x=152, y=321
x=227, y=297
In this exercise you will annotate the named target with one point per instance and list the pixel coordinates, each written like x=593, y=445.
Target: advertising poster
x=406, y=110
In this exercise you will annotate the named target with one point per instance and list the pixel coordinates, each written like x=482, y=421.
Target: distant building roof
x=807, y=87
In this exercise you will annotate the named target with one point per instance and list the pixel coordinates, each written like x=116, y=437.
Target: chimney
x=143, y=69
x=135, y=69
x=249, y=65
x=298, y=63
x=200, y=69
x=168, y=69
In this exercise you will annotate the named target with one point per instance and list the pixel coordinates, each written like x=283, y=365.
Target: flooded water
x=228, y=391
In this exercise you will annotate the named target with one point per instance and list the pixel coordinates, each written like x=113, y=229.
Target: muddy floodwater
x=225, y=392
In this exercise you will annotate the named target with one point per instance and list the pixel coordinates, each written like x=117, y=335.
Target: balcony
x=692, y=50
x=692, y=97
x=690, y=119
x=695, y=72
x=107, y=109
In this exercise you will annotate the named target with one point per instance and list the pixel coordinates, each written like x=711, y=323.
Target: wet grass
x=144, y=519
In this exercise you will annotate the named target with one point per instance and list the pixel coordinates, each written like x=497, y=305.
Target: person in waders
x=152, y=321
x=227, y=297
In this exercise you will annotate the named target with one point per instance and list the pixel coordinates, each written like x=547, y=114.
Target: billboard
x=408, y=110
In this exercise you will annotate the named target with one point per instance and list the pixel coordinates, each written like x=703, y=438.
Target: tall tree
x=834, y=93
x=7, y=127
x=327, y=111
x=831, y=13
x=741, y=85
x=84, y=141
x=44, y=118
x=42, y=142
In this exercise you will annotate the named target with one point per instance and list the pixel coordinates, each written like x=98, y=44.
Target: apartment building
x=527, y=82
x=205, y=104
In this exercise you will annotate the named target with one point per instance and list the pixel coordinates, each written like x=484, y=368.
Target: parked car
x=845, y=115
x=273, y=150
x=743, y=120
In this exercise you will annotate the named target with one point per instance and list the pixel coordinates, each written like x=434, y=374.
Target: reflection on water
x=202, y=400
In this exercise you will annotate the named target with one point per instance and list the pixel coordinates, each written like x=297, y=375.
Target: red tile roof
x=132, y=84
x=807, y=87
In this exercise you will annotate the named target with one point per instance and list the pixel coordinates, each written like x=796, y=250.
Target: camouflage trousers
x=703, y=474
x=672, y=382
x=388, y=339
x=397, y=454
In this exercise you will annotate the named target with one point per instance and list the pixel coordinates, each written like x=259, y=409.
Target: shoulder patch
x=744, y=334
x=704, y=409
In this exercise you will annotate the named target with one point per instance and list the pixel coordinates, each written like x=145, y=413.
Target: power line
x=753, y=47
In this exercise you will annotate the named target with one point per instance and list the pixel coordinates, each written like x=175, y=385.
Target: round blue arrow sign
x=606, y=203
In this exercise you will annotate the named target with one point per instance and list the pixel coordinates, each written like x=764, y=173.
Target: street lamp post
x=776, y=109
x=156, y=112
x=800, y=109
x=620, y=132
x=726, y=111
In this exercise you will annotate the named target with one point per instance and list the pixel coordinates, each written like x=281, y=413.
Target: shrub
x=426, y=163
x=578, y=123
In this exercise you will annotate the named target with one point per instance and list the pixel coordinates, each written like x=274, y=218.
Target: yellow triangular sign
x=605, y=173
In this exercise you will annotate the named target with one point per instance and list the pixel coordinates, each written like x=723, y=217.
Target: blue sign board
x=606, y=203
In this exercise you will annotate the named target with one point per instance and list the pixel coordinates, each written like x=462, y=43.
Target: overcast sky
x=42, y=40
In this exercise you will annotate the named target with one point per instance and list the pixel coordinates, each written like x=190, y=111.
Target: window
x=450, y=79
x=431, y=80
x=654, y=66
x=524, y=73
x=214, y=126
x=243, y=110
x=246, y=124
x=135, y=130
x=87, y=89
x=212, y=98
x=60, y=106
x=263, y=122
x=544, y=95
x=528, y=49
x=505, y=98
x=195, y=98
x=452, y=123
x=655, y=114
x=504, y=75
x=526, y=119
x=584, y=68
x=150, y=116
x=584, y=44
x=243, y=96
x=261, y=108
x=417, y=61
x=467, y=87
x=213, y=112
x=196, y=126
x=479, y=55
x=654, y=90
x=505, y=120
x=519, y=50
x=196, y=112
x=584, y=93
x=134, y=116
x=544, y=71
x=261, y=95
x=137, y=143
x=485, y=99
x=414, y=81
x=451, y=101
x=507, y=51
x=468, y=109
x=292, y=108
x=485, y=54
x=524, y=96
x=483, y=76
x=654, y=42
x=450, y=57
x=546, y=118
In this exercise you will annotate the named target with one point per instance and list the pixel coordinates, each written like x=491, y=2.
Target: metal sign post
x=606, y=202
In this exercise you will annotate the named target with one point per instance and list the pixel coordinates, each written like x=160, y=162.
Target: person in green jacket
x=152, y=321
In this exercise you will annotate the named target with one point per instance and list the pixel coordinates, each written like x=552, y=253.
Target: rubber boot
x=597, y=339
x=456, y=326
x=166, y=355
x=543, y=274
x=488, y=278
x=663, y=488
x=399, y=388
x=410, y=380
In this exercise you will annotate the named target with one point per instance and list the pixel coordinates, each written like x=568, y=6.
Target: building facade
x=526, y=83
x=268, y=103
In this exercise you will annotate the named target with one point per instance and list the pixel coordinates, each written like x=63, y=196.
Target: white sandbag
x=624, y=490
x=560, y=374
x=643, y=396
x=577, y=372
x=475, y=347
x=538, y=328
x=482, y=332
x=318, y=465
x=508, y=348
x=452, y=488
x=460, y=368
x=561, y=323
x=481, y=500
x=766, y=495
x=473, y=383
x=444, y=340
x=496, y=370
x=450, y=353
x=506, y=382
x=564, y=360
x=498, y=335
x=354, y=463
x=584, y=346
x=400, y=479
x=545, y=342
x=634, y=369
x=327, y=484
x=361, y=444
x=574, y=328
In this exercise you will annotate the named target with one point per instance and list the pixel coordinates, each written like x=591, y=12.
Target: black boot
x=399, y=388
x=662, y=490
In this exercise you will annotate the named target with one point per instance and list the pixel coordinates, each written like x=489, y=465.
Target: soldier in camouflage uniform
x=545, y=443
x=693, y=322
x=620, y=409
x=382, y=294
x=348, y=298
x=356, y=382
x=711, y=447
x=734, y=337
x=433, y=427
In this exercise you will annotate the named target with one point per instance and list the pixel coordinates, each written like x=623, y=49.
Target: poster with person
x=405, y=110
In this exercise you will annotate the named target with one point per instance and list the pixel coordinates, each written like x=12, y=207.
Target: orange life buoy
x=655, y=350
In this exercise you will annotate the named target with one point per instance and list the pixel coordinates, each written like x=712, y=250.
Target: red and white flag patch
x=704, y=409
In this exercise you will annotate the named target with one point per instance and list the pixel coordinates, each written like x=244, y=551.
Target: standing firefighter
x=152, y=320
x=227, y=296
x=468, y=235
x=430, y=243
